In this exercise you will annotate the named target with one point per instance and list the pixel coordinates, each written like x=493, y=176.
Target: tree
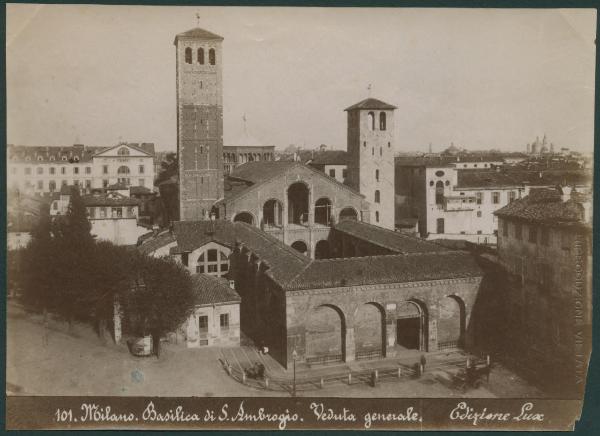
x=111, y=277
x=161, y=297
x=169, y=167
x=168, y=187
x=74, y=246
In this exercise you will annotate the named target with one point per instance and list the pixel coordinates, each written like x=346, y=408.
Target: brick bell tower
x=199, y=122
x=371, y=158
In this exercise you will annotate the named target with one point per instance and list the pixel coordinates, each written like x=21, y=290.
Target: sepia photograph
x=298, y=217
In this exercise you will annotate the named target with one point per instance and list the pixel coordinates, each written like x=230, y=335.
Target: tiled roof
x=386, y=269
x=213, y=290
x=193, y=234
x=292, y=270
x=492, y=178
x=256, y=173
x=117, y=187
x=113, y=199
x=371, y=103
x=330, y=157
x=139, y=190
x=394, y=241
x=58, y=155
x=150, y=244
x=546, y=206
x=75, y=154
x=198, y=33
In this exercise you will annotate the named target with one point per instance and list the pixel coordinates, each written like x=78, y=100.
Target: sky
x=478, y=78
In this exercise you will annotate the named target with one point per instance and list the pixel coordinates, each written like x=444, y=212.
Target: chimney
x=565, y=193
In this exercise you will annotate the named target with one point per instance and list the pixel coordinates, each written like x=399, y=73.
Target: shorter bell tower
x=371, y=157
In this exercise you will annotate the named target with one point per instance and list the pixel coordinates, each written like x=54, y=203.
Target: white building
x=45, y=169
x=216, y=317
x=113, y=215
x=452, y=203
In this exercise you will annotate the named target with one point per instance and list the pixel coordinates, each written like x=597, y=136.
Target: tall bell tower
x=199, y=122
x=371, y=157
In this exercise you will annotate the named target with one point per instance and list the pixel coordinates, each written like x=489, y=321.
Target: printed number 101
x=63, y=415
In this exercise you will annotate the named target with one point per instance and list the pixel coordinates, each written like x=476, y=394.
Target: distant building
x=45, y=169
x=333, y=163
x=215, y=320
x=545, y=243
x=234, y=156
x=454, y=203
x=112, y=214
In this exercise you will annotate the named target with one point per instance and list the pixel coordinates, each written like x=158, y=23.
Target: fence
x=369, y=376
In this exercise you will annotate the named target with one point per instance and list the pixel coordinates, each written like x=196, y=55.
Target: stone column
x=350, y=346
x=117, y=321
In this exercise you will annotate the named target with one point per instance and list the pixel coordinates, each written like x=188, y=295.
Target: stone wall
x=444, y=305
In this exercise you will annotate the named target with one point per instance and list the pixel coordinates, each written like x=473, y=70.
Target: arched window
x=377, y=175
x=213, y=262
x=211, y=56
x=439, y=193
x=377, y=196
x=188, y=55
x=123, y=175
x=123, y=151
x=371, y=120
x=201, y=56
x=382, y=121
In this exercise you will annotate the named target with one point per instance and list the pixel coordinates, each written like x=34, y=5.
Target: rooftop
x=415, y=260
x=371, y=103
x=329, y=157
x=199, y=34
x=492, y=178
x=545, y=206
x=110, y=199
x=395, y=241
x=213, y=290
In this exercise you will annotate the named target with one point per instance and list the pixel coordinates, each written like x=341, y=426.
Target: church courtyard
x=77, y=362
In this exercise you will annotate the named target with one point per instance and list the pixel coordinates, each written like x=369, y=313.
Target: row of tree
x=65, y=271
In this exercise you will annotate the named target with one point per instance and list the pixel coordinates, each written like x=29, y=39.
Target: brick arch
x=369, y=322
x=412, y=324
x=325, y=334
x=452, y=322
x=243, y=215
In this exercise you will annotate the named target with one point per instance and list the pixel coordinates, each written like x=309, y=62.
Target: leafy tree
x=161, y=298
x=168, y=187
x=111, y=277
x=169, y=167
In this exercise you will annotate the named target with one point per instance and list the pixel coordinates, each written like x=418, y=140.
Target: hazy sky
x=479, y=78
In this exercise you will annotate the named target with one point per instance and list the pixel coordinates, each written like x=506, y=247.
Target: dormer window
x=40, y=158
x=76, y=158
x=64, y=158
x=52, y=158
x=28, y=158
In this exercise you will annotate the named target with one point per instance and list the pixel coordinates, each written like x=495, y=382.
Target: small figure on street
x=423, y=362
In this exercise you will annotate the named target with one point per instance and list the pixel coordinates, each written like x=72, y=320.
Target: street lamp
x=294, y=357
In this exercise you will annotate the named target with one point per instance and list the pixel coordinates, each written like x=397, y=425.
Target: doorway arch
x=412, y=326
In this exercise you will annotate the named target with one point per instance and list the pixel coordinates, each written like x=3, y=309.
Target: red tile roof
x=211, y=290
x=545, y=206
x=198, y=33
x=371, y=103
x=415, y=267
x=418, y=260
x=394, y=241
